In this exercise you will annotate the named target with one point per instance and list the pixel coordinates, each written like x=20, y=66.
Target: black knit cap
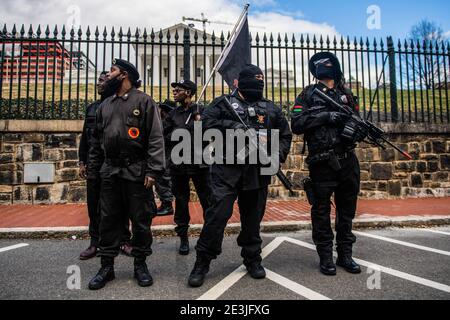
x=128, y=67
x=249, y=71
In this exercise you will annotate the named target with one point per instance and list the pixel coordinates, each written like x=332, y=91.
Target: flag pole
x=233, y=33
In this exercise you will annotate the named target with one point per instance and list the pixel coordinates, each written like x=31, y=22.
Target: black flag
x=237, y=54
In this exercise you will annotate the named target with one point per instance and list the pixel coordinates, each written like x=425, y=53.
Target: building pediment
x=179, y=29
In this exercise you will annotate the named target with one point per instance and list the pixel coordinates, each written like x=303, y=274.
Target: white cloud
x=153, y=13
x=446, y=35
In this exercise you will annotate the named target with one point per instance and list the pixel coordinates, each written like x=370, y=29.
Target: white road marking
x=436, y=231
x=16, y=246
x=295, y=287
x=225, y=284
x=403, y=243
x=393, y=272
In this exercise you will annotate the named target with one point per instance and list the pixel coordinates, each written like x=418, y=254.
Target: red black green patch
x=297, y=109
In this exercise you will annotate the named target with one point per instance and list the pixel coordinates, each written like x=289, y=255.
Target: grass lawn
x=70, y=101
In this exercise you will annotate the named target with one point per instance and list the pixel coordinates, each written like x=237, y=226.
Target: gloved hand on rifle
x=338, y=118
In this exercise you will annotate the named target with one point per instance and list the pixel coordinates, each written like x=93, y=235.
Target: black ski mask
x=325, y=70
x=251, y=88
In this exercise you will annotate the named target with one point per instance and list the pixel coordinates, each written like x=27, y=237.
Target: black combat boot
x=327, y=266
x=256, y=270
x=184, y=246
x=105, y=274
x=165, y=209
x=345, y=261
x=141, y=273
x=201, y=268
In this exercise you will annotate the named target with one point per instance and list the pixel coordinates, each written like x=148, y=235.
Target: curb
x=233, y=228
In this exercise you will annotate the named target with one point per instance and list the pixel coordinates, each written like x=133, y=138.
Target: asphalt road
x=397, y=264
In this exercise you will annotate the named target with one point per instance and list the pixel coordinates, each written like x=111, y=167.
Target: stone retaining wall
x=384, y=173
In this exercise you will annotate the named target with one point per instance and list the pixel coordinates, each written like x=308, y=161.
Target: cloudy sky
x=292, y=16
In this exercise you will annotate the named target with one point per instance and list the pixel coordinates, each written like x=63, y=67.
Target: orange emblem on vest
x=133, y=133
x=261, y=119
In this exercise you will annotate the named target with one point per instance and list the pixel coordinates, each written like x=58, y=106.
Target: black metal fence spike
x=360, y=56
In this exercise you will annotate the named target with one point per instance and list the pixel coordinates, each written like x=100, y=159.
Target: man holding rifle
x=333, y=165
x=243, y=110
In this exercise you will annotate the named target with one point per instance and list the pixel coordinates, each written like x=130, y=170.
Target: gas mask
x=325, y=70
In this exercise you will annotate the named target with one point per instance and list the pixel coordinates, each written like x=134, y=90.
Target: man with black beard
x=183, y=117
x=93, y=181
x=332, y=163
x=128, y=151
x=243, y=182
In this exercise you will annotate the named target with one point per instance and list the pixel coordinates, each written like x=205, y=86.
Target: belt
x=344, y=155
x=328, y=155
x=122, y=162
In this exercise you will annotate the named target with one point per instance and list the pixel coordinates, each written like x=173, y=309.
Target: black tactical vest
x=327, y=137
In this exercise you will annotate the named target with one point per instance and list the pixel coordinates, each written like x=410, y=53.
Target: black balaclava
x=325, y=70
x=251, y=88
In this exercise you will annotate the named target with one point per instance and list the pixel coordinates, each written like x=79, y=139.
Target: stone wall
x=384, y=173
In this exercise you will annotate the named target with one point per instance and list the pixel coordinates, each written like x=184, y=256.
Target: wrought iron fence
x=52, y=74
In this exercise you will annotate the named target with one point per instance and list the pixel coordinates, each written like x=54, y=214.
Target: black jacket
x=176, y=119
x=313, y=121
x=88, y=131
x=128, y=139
x=268, y=116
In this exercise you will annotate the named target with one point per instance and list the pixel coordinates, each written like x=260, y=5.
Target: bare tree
x=427, y=37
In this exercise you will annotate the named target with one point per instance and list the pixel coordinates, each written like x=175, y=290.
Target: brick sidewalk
x=75, y=215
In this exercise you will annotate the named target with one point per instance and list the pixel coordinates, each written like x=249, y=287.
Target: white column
x=208, y=66
x=193, y=72
x=156, y=70
x=173, y=71
x=142, y=67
